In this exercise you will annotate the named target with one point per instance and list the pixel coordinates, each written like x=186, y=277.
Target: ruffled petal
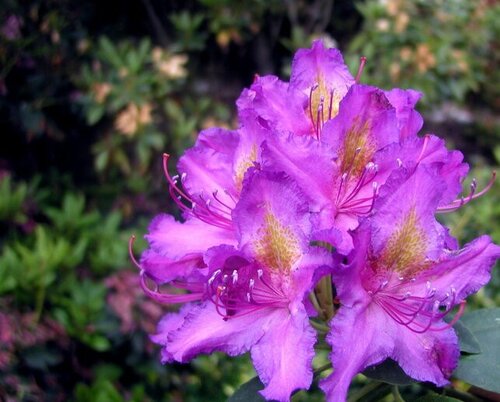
x=283, y=356
x=207, y=167
x=272, y=219
x=292, y=155
x=409, y=120
x=162, y=269
x=177, y=240
x=430, y=356
x=204, y=330
x=462, y=272
x=275, y=105
x=323, y=68
x=169, y=323
x=360, y=336
x=366, y=121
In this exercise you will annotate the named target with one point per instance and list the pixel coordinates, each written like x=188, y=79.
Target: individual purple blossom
x=319, y=80
x=404, y=275
x=205, y=190
x=252, y=297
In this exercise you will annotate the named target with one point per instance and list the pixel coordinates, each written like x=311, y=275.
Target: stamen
x=417, y=313
x=458, y=203
x=131, y=252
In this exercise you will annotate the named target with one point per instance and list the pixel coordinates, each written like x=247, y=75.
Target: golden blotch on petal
x=244, y=164
x=405, y=250
x=277, y=248
x=358, y=147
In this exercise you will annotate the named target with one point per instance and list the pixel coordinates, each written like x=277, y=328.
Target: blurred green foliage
x=89, y=99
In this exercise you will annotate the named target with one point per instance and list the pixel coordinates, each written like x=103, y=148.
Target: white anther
x=260, y=272
x=175, y=178
x=400, y=162
x=183, y=176
x=251, y=283
x=235, y=276
x=214, y=275
x=249, y=298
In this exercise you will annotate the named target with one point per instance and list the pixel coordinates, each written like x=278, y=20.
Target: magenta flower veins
x=317, y=164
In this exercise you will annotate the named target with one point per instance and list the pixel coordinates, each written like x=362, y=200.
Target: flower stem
x=319, y=326
x=320, y=369
x=397, y=396
x=367, y=389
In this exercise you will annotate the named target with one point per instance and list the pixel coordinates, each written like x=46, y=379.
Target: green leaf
x=433, y=397
x=388, y=371
x=482, y=369
x=468, y=342
x=248, y=392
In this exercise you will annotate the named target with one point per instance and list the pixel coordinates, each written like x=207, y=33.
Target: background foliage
x=92, y=94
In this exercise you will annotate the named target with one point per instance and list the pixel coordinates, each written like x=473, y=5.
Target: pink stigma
x=362, y=62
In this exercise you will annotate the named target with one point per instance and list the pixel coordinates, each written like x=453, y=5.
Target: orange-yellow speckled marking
x=405, y=249
x=244, y=164
x=277, y=247
x=357, y=137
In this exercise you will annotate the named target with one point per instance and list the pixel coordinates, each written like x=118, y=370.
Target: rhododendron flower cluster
x=325, y=190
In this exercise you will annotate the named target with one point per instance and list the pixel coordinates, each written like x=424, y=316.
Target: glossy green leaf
x=482, y=369
x=248, y=392
x=388, y=371
x=468, y=342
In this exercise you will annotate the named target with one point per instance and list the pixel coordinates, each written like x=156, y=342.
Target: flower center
x=239, y=287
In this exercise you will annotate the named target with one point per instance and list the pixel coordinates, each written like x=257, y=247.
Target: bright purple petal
x=292, y=155
x=272, y=219
x=404, y=230
x=321, y=73
x=207, y=167
x=162, y=269
x=430, y=356
x=204, y=331
x=358, y=341
x=176, y=240
x=409, y=120
x=460, y=273
x=367, y=121
x=169, y=323
x=275, y=105
x=283, y=356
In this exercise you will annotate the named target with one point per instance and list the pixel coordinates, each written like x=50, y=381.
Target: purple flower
x=252, y=297
x=206, y=191
x=357, y=152
x=403, y=277
x=318, y=82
